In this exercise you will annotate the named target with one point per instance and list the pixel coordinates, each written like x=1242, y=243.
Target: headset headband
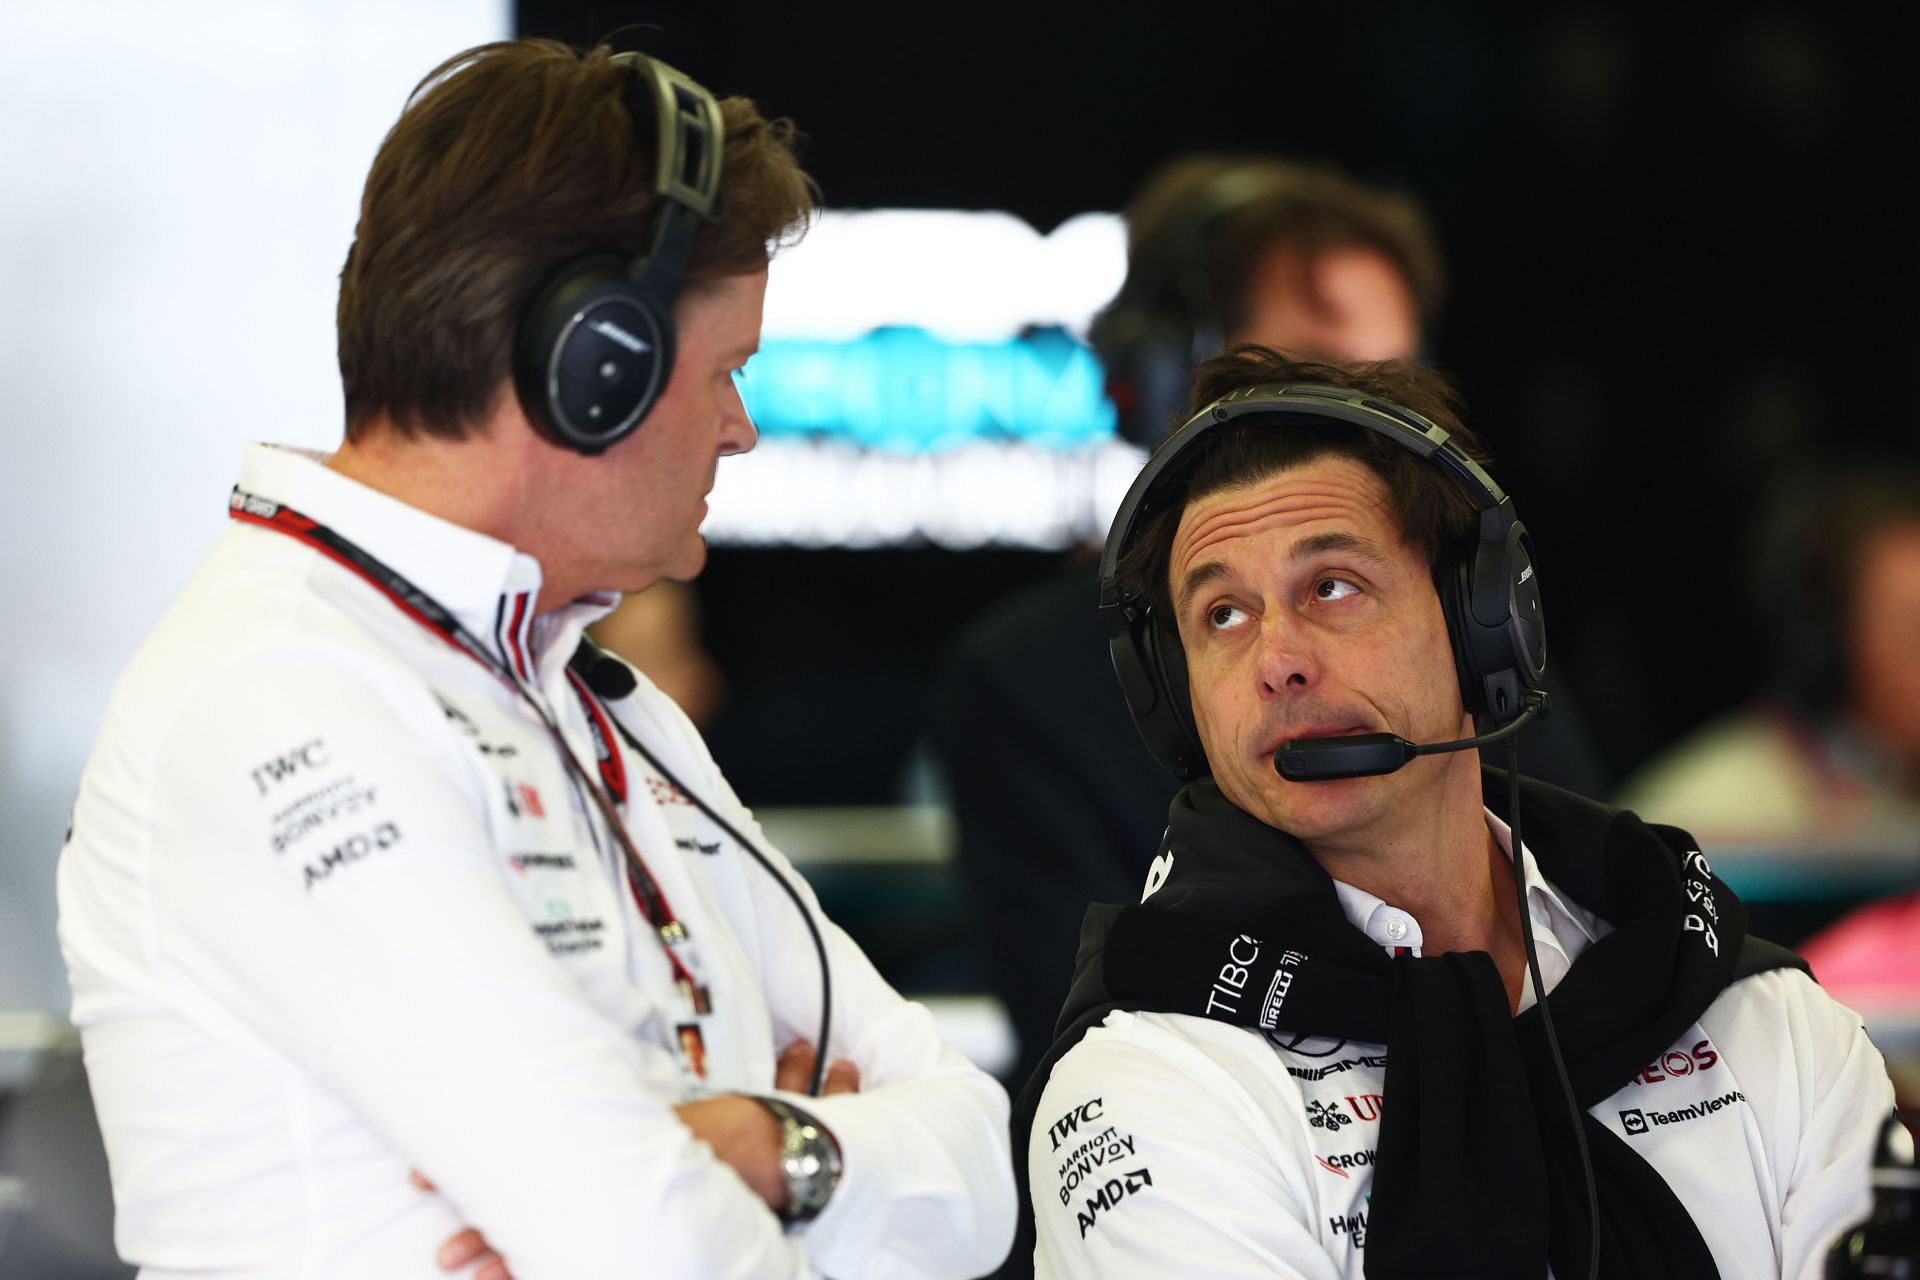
x=595, y=347
x=1488, y=591
x=1276, y=399
x=688, y=148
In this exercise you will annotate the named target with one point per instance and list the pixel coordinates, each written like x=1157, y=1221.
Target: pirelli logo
x=1277, y=990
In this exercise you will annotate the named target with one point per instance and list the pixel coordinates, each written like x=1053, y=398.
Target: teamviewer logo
x=1633, y=1121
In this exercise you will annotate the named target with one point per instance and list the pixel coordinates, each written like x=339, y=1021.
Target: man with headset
x=1315, y=1048
x=376, y=871
x=1054, y=799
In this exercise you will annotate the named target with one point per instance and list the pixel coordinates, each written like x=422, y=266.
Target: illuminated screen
x=924, y=377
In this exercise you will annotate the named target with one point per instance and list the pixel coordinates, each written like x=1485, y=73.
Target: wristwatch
x=810, y=1158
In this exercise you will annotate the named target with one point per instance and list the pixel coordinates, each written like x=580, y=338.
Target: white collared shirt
x=1168, y=1144
x=334, y=909
x=1561, y=929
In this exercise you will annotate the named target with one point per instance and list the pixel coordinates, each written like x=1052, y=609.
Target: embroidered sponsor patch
x=1098, y=1165
x=1377, y=1061
x=1340, y=1163
x=304, y=758
x=1109, y=1196
x=1677, y=1064
x=1351, y=1228
x=1637, y=1120
x=341, y=798
x=355, y=848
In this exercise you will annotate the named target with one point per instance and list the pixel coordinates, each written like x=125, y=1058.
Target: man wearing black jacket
x=1317, y=1047
x=1055, y=800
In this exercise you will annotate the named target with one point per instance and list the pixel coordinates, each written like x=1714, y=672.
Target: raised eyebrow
x=1318, y=544
x=1197, y=577
x=1321, y=543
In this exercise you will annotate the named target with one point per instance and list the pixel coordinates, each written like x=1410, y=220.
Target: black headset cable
x=1540, y=1001
x=609, y=678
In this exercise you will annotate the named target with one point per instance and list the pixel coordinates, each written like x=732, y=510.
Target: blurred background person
x=1869, y=961
x=1057, y=801
x=1829, y=753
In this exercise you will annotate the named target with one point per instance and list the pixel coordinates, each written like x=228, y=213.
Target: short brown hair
x=1177, y=218
x=508, y=160
x=1433, y=512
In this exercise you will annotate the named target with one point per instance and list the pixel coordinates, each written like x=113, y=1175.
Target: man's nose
x=737, y=432
x=1287, y=664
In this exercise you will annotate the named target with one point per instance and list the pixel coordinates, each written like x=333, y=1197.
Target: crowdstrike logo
x=1340, y=1164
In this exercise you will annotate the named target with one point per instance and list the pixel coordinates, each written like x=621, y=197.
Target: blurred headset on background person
x=1198, y=233
x=1166, y=319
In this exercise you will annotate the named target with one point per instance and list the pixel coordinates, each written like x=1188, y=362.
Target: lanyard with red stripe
x=613, y=771
x=435, y=617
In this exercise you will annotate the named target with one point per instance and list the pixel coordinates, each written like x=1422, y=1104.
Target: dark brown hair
x=1806, y=575
x=1175, y=228
x=1432, y=511
x=508, y=160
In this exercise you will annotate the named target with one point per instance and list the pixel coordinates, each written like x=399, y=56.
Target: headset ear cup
x=1452, y=582
x=1495, y=622
x=1189, y=758
x=1155, y=688
x=592, y=354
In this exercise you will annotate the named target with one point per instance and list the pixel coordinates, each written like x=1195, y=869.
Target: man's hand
x=741, y=1132
x=745, y=1135
x=467, y=1248
x=794, y=1072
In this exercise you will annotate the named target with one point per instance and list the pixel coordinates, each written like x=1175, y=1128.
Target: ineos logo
x=1677, y=1064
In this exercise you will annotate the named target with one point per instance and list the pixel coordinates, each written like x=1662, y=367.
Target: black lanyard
x=435, y=617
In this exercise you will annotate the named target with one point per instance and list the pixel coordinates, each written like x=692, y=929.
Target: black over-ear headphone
x=595, y=349
x=1488, y=590
x=1149, y=342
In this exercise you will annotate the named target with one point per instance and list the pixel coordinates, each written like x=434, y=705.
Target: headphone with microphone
x=1165, y=319
x=595, y=349
x=1488, y=590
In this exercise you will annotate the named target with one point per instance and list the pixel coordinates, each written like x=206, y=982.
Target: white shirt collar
x=477, y=578
x=1561, y=929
